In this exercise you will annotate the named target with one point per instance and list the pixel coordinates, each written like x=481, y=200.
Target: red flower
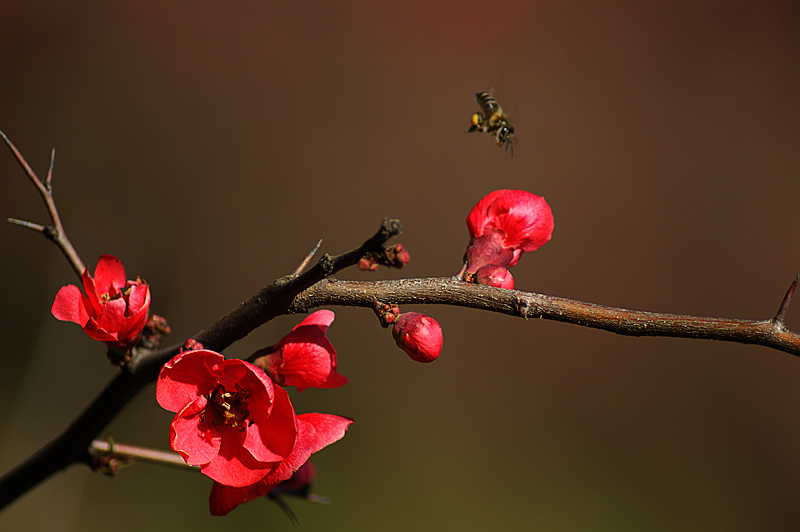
x=314, y=432
x=305, y=357
x=113, y=310
x=420, y=336
x=230, y=419
x=237, y=425
x=503, y=225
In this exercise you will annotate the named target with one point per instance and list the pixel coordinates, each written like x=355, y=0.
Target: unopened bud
x=420, y=336
x=493, y=275
x=191, y=345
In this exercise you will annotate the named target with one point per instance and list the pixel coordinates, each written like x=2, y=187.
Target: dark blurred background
x=209, y=145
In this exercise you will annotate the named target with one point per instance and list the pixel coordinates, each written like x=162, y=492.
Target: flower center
x=228, y=408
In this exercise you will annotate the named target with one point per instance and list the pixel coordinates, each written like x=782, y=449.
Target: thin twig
x=55, y=232
x=28, y=225
x=108, y=449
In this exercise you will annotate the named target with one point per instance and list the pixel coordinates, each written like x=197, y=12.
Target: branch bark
x=450, y=291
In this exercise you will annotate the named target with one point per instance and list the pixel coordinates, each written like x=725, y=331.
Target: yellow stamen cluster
x=228, y=408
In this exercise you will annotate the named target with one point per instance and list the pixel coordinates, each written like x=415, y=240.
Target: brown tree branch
x=450, y=291
x=54, y=232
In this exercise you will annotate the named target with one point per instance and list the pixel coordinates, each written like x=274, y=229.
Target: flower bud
x=493, y=275
x=420, y=336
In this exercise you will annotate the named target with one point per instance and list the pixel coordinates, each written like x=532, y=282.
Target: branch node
x=326, y=263
x=392, y=227
x=522, y=307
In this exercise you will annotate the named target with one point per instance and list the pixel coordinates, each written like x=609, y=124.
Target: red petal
x=305, y=357
x=93, y=298
x=329, y=428
x=96, y=332
x=526, y=219
x=186, y=377
x=139, y=298
x=233, y=465
x=223, y=499
x=305, y=364
x=315, y=431
x=334, y=381
x=321, y=318
x=109, y=275
x=112, y=318
x=272, y=438
x=479, y=215
x=69, y=305
x=197, y=441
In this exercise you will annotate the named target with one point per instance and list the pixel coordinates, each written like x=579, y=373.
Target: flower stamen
x=228, y=408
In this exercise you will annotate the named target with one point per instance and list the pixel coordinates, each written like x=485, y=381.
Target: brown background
x=210, y=144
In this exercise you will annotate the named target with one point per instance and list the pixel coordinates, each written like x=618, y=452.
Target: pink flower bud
x=190, y=345
x=367, y=264
x=420, y=336
x=400, y=255
x=493, y=275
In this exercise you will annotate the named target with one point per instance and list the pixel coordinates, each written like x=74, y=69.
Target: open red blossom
x=305, y=357
x=420, y=336
x=230, y=420
x=111, y=310
x=503, y=225
x=314, y=432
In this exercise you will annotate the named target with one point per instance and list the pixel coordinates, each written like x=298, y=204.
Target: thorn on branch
x=780, y=317
x=308, y=258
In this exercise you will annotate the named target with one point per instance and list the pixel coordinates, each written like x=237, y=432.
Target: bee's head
x=504, y=134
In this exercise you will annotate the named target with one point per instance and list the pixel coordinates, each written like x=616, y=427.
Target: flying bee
x=491, y=119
